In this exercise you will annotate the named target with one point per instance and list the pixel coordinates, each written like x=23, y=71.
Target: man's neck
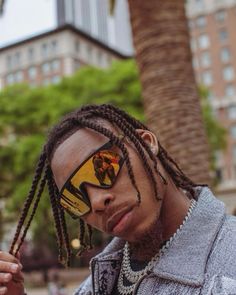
x=174, y=210
x=149, y=244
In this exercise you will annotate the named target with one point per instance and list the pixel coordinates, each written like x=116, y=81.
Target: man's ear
x=150, y=138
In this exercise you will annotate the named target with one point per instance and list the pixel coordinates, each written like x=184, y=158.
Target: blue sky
x=24, y=18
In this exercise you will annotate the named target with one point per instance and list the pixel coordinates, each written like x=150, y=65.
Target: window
x=17, y=59
x=207, y=78
x=220, y=15
x=203, y=41
x=9, y=63
x=89, y=51
x=225, y=54
x=19, y=76
x=201, y=21
x=223, y=35
x=230, y=90
x=232, y=112
x=195, y=63
x=228, y=73
x=205, y=59
x=31, y=54
x=54, y=46
x=56, y=79
x=199, y=4
x=32, y=73
x=193, y=45
x=233, y=131
x=46, y=68
x=55, y=65
x=44, y=50
x=104, y=60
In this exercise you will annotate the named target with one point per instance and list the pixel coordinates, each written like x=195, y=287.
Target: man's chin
x=151, y=237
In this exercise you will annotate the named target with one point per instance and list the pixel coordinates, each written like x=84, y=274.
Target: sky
x=25, y=18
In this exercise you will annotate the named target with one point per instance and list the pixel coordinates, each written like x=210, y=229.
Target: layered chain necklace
x=126, y=272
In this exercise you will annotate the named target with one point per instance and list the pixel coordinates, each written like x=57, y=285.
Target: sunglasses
x=100, y=170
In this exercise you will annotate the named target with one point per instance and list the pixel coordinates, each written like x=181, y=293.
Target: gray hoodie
x=200, y=260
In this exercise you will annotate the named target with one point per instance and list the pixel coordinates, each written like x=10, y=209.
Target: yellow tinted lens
x=74, y=204
x=101, y=170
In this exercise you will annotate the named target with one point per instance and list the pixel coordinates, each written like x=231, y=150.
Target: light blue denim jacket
x=200, y=260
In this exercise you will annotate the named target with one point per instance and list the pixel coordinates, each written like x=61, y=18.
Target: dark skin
x=151, y=222
x=145, y=226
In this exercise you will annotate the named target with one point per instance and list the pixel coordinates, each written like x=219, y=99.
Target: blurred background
x=56, y=55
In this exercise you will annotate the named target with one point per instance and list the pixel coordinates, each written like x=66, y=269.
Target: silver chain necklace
x=133, y=276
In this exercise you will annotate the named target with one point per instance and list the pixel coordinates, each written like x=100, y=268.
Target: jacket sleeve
x=85, y=288
x=221, y=285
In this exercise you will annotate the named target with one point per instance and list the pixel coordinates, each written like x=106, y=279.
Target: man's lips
x=116, y=217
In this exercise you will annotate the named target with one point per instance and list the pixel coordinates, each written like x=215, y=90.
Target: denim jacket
x=201, y=260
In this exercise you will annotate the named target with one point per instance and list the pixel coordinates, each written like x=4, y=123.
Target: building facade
x=95, y=18
x=46, y=58
x=212, y=26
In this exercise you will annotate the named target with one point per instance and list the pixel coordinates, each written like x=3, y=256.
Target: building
x=89, y=16
x=212, y=26
x=45, y=58
x=94, y=18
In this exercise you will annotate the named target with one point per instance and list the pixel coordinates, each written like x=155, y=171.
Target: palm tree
x=170, y=95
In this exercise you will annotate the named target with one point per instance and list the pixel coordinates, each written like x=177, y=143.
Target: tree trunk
x=171, y=99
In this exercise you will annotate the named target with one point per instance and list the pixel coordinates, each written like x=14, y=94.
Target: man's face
x=114, y=210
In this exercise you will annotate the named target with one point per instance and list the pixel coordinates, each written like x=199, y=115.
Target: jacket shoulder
x=222, y=257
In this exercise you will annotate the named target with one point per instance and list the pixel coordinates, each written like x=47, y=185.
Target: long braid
x=63, y=224
x=55, y=210
x=65, y=235
x=35, y=206
x=83, y=245
x=90, y=233
x=29, y=199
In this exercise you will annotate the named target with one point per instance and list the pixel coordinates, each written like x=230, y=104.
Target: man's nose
x=99, y=198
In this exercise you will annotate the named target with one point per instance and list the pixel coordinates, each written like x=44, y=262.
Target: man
x=171, y=236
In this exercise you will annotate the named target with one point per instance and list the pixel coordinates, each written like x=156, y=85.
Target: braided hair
x=93, y=117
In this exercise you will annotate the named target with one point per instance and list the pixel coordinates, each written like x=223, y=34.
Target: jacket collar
x=186, y=258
